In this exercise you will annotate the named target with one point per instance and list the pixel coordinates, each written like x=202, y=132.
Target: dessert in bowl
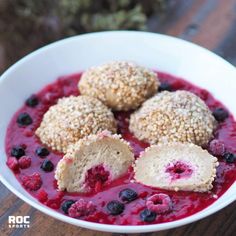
x=122, y=141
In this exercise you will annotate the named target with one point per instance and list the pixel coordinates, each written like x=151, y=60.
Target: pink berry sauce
x=93, y=206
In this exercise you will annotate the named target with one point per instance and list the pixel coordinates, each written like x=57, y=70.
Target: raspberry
x=13, y=163
x=96, y=177
x=24, y=162
x=32, y=182
x=159, y=203
x=53, y=203
x=179, y=170
x=143, y=194
x=217, y=147
x=42, y=195
x=81, y=208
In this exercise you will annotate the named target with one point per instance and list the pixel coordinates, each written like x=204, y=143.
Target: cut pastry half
x=176, y=166
x=93, y=162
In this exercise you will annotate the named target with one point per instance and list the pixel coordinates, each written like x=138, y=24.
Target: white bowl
x=71, y=55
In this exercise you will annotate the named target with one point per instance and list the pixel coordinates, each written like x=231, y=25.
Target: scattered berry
x=81, y=208
x=24, y=162
x=42, y=195
x=32, y=182
x=24, y=119
x=128, y=195
x=159, y=203
x=217, y=147
x=53, y=203
x=115, y=207
x=165, y=86
x=147, y=215
x=17, y=152
x=143, y=194
x=229, y=157
x=12, y=163
x=24, y=146
x=66, y=205
x=42, y=151
x=32, y=101
x=220, y=114
x=47, y=166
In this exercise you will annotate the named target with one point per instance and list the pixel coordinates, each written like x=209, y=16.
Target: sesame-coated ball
x=179, y=116
x=73, y=118
x=120, y=85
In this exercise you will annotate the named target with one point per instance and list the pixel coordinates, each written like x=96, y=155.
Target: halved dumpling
x=93, y=161
x=176, y=166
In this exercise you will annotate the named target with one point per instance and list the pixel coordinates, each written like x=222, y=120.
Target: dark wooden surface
x=209, y=23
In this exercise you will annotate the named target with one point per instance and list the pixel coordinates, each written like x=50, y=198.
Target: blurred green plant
x=28, y=24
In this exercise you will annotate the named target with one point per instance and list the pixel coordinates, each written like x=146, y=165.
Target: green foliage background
x=28, y=24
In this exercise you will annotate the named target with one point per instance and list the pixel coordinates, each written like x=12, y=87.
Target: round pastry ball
x=73, y=118
x=176, y=166
x=93, y=161
x=120, y=85
x=178, y=116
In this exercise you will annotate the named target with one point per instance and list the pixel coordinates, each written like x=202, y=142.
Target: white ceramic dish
x=164, y=53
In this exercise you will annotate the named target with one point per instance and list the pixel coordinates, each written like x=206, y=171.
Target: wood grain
x=210, y=23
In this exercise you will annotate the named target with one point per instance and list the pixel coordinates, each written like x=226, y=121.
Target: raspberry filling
x=179, y=170
x=96, y=177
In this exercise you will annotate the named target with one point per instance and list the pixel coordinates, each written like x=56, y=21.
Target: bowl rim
x=99, y=226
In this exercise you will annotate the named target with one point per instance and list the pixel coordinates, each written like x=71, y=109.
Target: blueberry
x=147, y=215
x=229, y=157
x=164, y=86
x=66, y=205
x=42, y=152
x=128, y=195
x=220, y=114
x=32, y=101
x=47, y=166
x=17, y=152
x=115, y=207
x=24, y=119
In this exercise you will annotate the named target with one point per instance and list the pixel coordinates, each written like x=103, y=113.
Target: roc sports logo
x=18, y=221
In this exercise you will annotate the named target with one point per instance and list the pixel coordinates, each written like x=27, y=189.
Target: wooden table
x=209, y=23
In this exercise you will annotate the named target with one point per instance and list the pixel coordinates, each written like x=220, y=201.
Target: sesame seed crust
x=120, y=85
x=113, y=152
x=179, y=116
x=151, y=167
x=73, y=118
